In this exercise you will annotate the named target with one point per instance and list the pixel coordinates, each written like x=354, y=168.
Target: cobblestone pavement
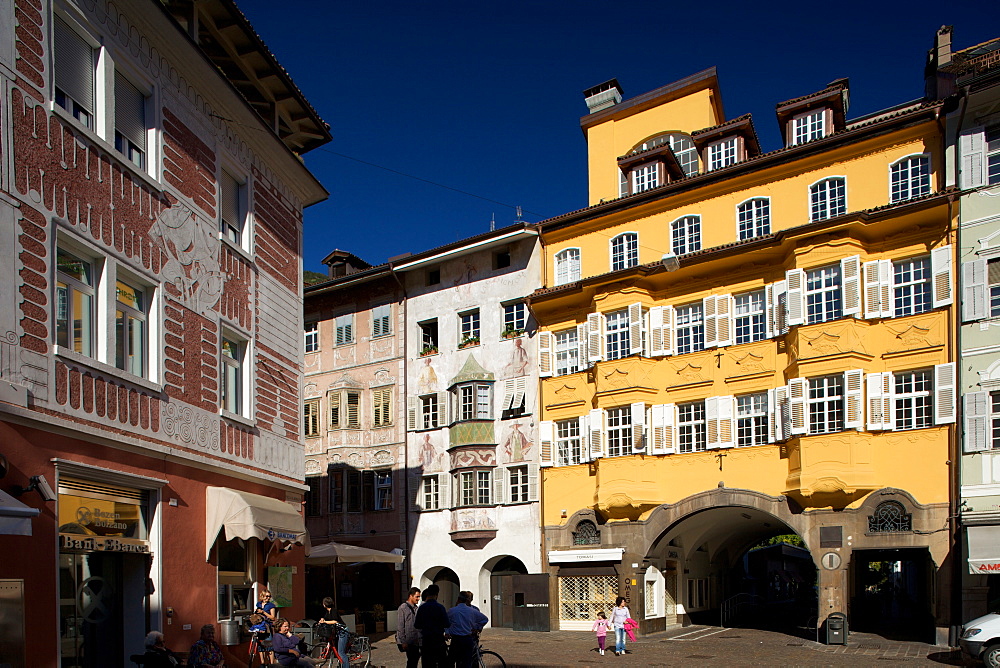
x=693, y=645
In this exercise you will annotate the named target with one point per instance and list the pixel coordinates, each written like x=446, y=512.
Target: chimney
x=603, y=96
x=844, y=85
x=937, y=84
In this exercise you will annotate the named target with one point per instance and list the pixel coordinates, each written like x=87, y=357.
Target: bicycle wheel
x=321, y=654
x=488, y=659
x=360, y=652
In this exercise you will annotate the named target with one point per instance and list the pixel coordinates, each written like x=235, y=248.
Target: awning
x=15, y=517
x=245, y=515
x=984, y=549
x=339, y=553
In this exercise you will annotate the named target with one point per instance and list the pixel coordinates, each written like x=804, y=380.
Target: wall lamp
x=670, y=262
x=37, y=483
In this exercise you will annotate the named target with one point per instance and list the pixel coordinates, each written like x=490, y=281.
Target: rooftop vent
x=604, y=95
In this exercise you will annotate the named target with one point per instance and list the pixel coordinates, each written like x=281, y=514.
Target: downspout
x=406, y=439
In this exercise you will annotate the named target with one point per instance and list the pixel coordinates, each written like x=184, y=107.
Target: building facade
x=151, y=222
x=471, y=384
x=742, y=345
x=354, y=425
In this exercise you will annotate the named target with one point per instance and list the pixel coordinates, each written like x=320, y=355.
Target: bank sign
x=74, y=542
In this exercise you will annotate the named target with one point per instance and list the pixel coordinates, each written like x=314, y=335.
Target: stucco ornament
x=193, y=251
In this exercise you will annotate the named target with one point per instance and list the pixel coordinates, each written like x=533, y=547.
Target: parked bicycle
x=359, y=650
x=481, y=658
x=260, y=646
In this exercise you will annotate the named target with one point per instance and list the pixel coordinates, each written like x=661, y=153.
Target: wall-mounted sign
x=831, y=561
x=76, y=542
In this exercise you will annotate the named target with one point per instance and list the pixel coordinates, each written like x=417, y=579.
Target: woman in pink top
x=601, y=629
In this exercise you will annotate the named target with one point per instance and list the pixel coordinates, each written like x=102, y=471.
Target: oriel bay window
x=473, y=401
x=475, y=487
x=345, y=409
x=382, y=407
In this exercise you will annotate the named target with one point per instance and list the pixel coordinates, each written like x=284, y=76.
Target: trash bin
x=307, y=629
x=229, y=632
x=836, y=629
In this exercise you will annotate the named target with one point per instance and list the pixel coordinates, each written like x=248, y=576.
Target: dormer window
x=808, y=126
x=722, y=153
x=727, y=143
x=657, y=161
x=814, y=116
x=645, y=177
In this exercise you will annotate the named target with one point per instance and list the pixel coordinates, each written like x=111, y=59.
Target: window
x=827, y=199
x=236, y=570
x=567, y=266
x=751, y=419
x=429, y=411
x=993, y=155
x=826, y=404
x=353, y=490
x=808, y=126
x=568, y=450
x=993, y=279
x=310, y=417
x=382, y=320
x=624, y=251
x=685, y=235
x=995, y=418
x=345, y=409
x=474, y=401
x=914, y=399
x=751, y=324
x=232, y=207
x=428, y=337
x=75, y=282
x=311, y=337
x=691, y=427
x=501, y=259
x=130, y=121
x=383, y=489
x=130, y=328
x=382, y=408
x=619, y=431
x=911, y=280
x=823, y=298
x=617, y=334
x=344, y=327
x=754, y=218
x=690, y=329
x=909, y=178
x=514, y=318
x=722, y=154
x=685, y=152
x=336, y=478
x=468, y=328
x=75, y=65
x=567, y=352
x=433, y=276
x=645, y=177
x=586, y=534
x=474, y=488
x=518, y=479
x=232, y=373
x=430, y=492
x=890, y=517
x=313, y=496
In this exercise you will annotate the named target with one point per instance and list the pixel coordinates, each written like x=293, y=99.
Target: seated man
x=465, y=622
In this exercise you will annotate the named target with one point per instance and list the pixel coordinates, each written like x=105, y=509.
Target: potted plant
x=468, y=341
x=428, y=350
x=511, y=332
x=379, y=612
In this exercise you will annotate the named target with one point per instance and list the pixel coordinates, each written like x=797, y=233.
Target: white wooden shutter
x=712, y=422
x=709, y=321
x=873, y=294
x=854, y=399
x=657, y=429
x=719, y=422
x=584, y=426
x=595, y=337
x=546, y=344
x=879, y=401
x=412, y=413
x=795, y=283
x=977, y=422
x=658, y=344
x=546, y=443
x=596, y=433
x=635, y=323
x=778, y=413
x=445, y=498
x=669, y=327
x=500, y=479
x=975, y=303
x=581, y=342
x=533, y=482
x=972, y=146
x=944, y=393
x=776, y=298
x=638, y=428
x=443, y=402
x=798, y=389
x=520, y=398
x=941, y=276
x=850, y=284
x=773, y=418
x=725, y=326
x=509, y=388
x=782, y=394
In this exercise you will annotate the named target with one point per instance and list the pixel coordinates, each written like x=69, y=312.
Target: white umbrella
x=339, y=553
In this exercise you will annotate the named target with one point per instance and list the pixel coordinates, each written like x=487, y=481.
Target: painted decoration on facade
x=473, y=519
x=430, y=457
x=193, y=251
x=427, y=380
x=517, y=446
x=519, y=364
x=475, y=456
x=382, y=458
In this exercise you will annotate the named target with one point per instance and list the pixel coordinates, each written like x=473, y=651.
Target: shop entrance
x=891, y=593
x=501, y=592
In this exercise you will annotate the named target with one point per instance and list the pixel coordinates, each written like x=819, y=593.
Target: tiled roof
x=732, y=121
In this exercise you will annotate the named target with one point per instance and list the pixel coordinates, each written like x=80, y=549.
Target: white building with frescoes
x=472, y=429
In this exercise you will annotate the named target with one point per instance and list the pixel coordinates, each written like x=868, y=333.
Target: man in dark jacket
x=407, y=637
x=431, y=619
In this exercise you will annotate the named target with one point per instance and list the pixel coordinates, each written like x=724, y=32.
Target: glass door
x=90, y=610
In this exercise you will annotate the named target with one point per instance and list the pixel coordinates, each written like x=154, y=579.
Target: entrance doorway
x=502, y=591
x=891, y=593
x=447, y=581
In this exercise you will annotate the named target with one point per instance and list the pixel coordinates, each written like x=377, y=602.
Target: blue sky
x=485, y=97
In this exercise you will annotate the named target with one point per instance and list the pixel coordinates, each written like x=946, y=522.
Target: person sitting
x=206, y=653
x=157, y=655
x=285, y=645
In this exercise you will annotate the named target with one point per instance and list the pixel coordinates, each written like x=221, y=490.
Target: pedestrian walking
x=600, y=628
x=407, y=637
x=464, y=624
x=431, y=620
x=618, y=617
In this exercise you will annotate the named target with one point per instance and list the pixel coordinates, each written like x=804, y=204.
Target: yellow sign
x=86, y=516
x=69, y=541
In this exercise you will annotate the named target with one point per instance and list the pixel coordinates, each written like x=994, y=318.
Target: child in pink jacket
x=601, y=629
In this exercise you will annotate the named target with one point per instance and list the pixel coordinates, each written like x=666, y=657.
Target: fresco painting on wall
x=517, y=446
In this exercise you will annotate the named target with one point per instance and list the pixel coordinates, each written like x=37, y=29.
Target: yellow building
x=736, y=346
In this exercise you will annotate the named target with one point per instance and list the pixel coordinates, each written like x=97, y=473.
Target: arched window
x=828, y=198
x=586, y=534
x=685, y=235
x=909, y=178
x=567, y=266
x=624, y=251
x=890, y=517
x=754, y=218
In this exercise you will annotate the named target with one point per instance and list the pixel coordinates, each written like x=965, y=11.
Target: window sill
x=235, y=247
x=512, y=336
x=344, y=345
x=380, y=336
x=436, y=352
x=101, y=367
x=239, y=419
x=469, y=345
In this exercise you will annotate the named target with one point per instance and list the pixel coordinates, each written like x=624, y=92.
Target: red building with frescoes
x=151, y=452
